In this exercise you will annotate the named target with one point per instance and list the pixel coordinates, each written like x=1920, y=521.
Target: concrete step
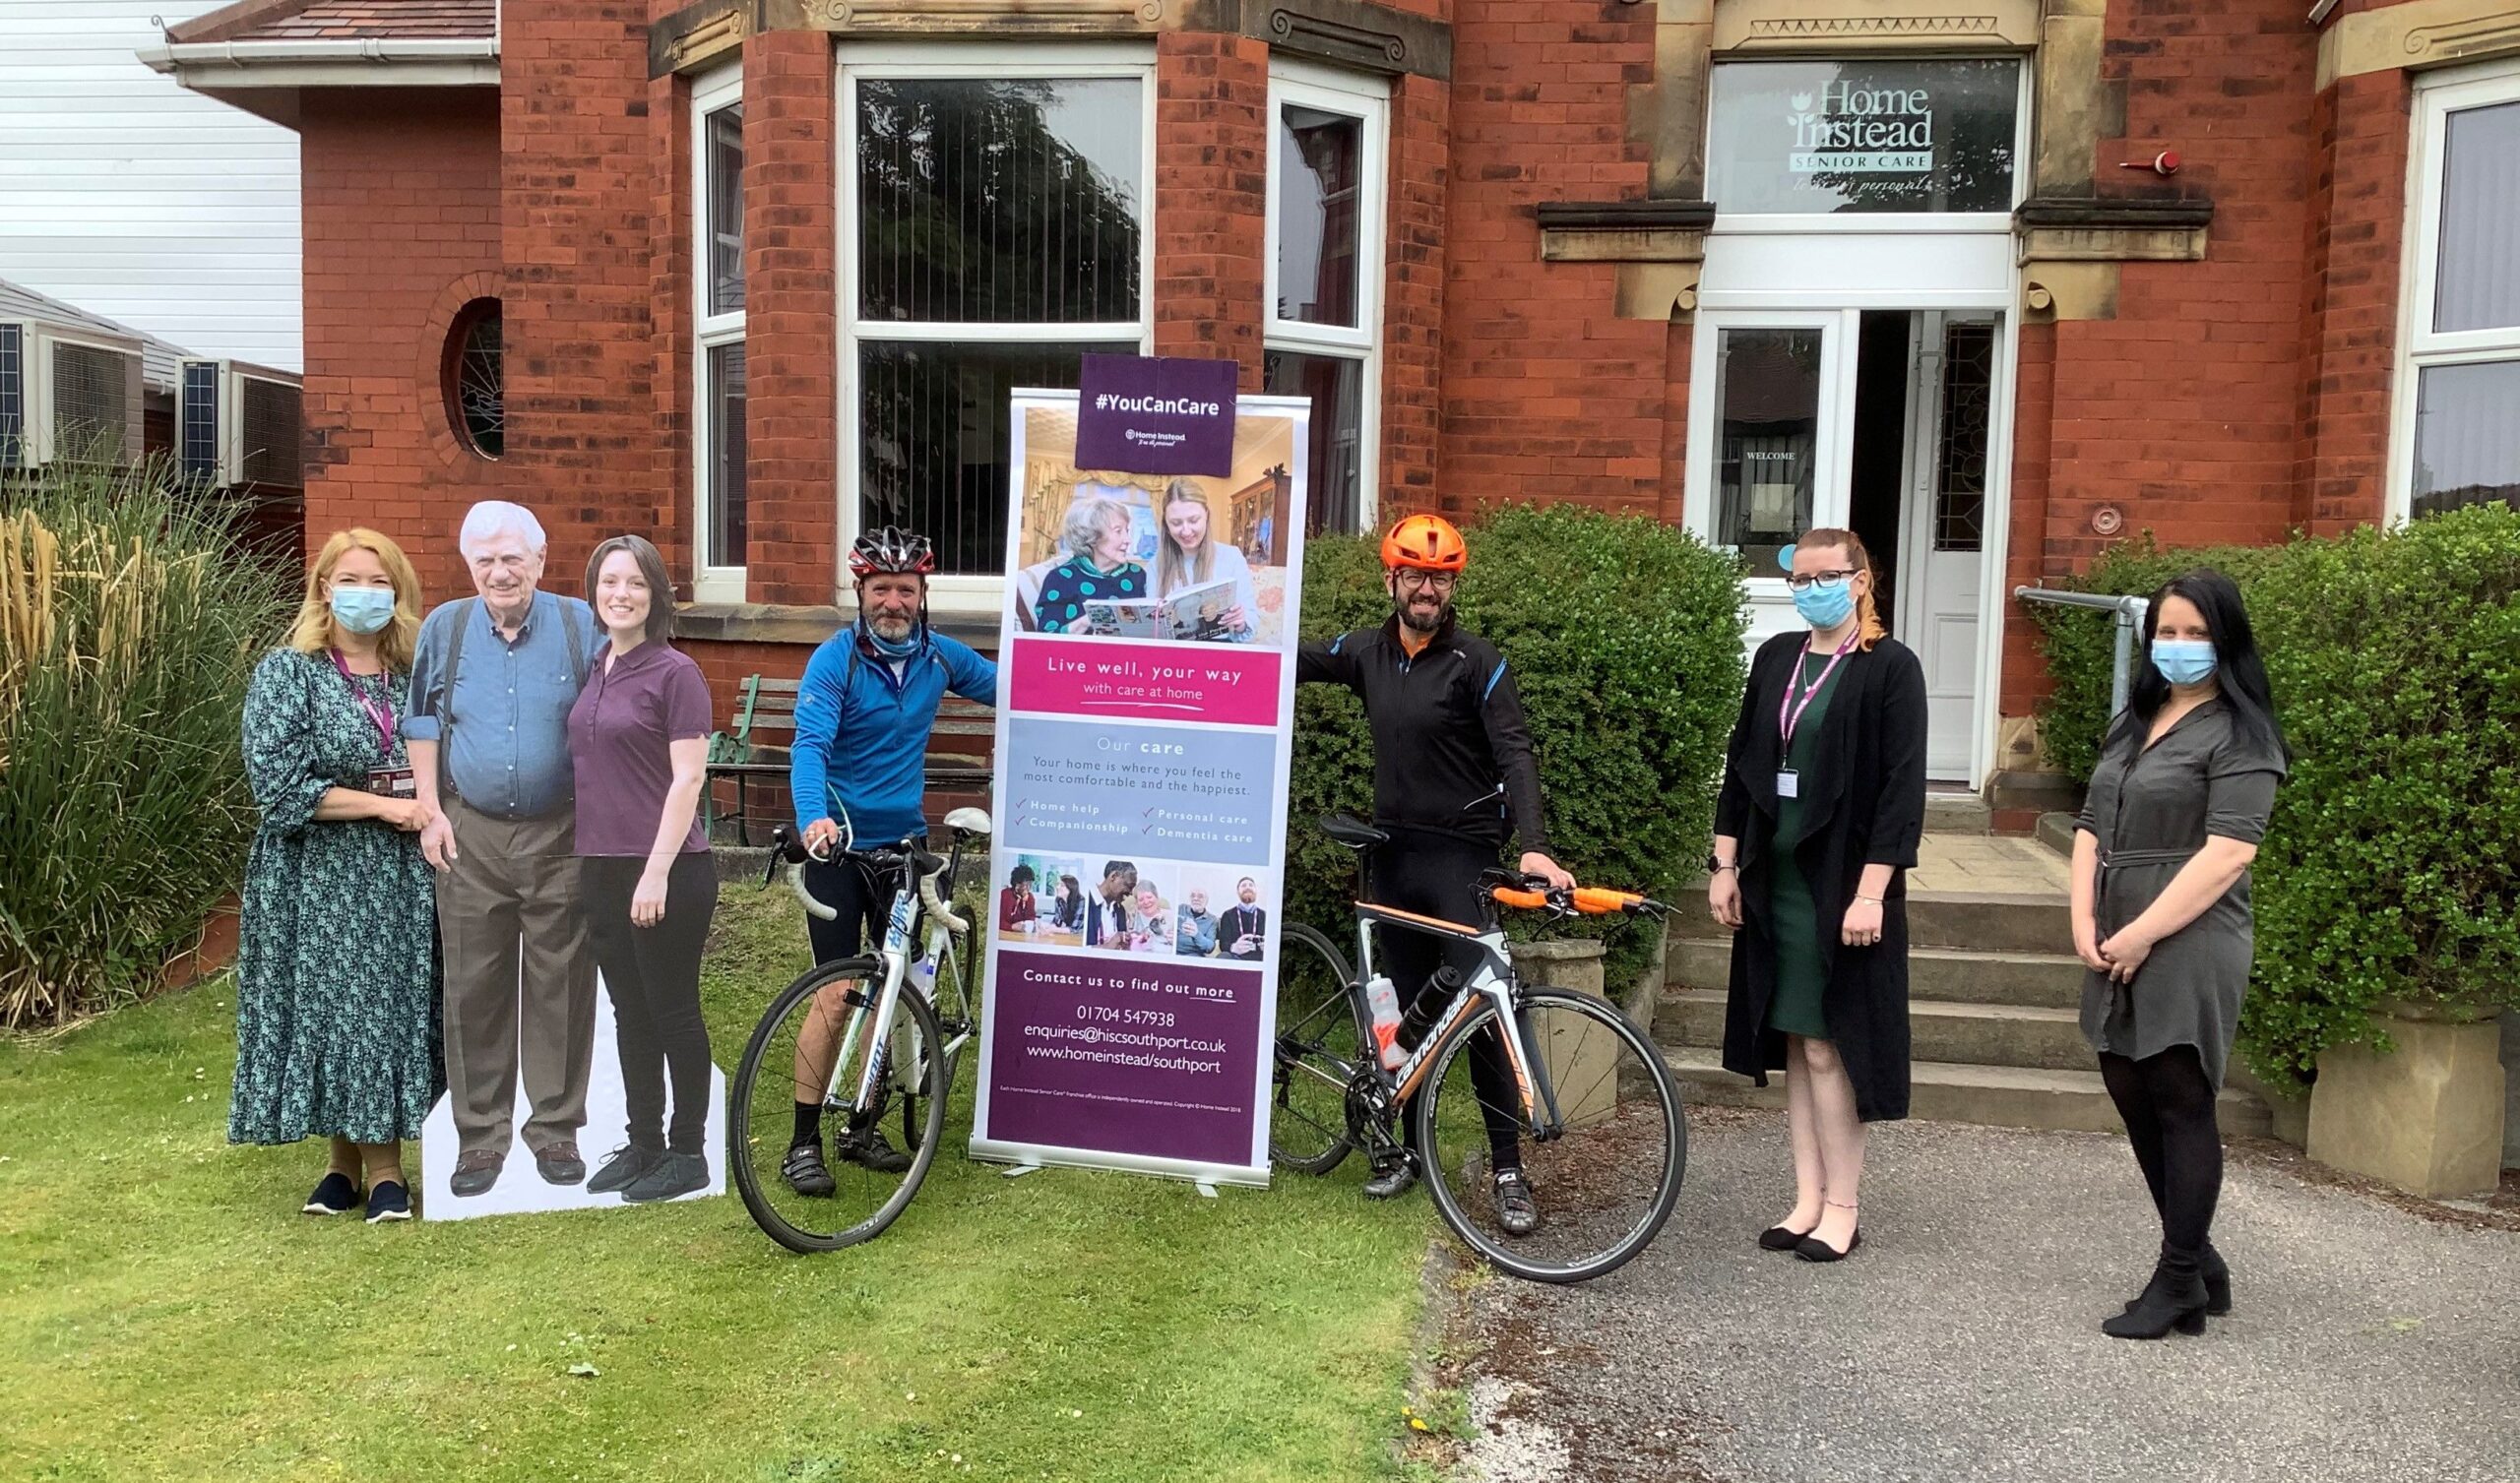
x=1979, y=921
x=1996, y=1096
x=2048, y=979
x=1958, y=813
x=2026, y=1036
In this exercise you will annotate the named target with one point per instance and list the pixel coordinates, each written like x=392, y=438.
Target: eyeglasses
x=1442, y=581
x=1800, y=580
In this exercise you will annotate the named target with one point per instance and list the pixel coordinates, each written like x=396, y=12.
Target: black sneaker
x=389, y=1201
x=624, y=1168
x=1516, y=1213
x=337, y=1195
x=805, y=1172
x=670, y=1175
x=868, y=1148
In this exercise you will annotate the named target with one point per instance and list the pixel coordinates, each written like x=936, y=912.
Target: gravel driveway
x=2368, y=1341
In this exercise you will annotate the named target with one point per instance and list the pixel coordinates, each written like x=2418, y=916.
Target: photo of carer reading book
x=1177, y=559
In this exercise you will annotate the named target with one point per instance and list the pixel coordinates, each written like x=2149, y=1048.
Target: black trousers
x=2167, y=1105
x=653, y=974
x=1437, y=875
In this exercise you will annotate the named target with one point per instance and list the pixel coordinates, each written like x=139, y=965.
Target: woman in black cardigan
x=1822, y=803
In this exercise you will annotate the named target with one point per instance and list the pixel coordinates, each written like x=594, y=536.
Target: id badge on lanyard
x=1789, y=715
x=382, y=778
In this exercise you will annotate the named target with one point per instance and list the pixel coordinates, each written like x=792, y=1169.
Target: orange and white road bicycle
x=1499, y=1073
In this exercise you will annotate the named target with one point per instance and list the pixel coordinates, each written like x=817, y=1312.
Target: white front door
x=1770, y=439
x=1941, y=588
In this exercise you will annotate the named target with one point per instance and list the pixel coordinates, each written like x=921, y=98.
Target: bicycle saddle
x=1352, y=832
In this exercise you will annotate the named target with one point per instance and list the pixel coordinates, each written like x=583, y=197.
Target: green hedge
x=2392, y=869
x=1624, y=636
x=129, y=624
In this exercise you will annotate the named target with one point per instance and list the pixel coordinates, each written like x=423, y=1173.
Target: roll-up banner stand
x=1143, y=743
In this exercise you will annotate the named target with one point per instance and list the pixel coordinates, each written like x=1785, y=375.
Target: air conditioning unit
x=67, y=393
x=239, y=424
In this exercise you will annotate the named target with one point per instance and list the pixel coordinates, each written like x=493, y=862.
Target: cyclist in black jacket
x=1453, y=768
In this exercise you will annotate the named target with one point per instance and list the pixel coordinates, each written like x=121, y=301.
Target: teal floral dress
x=1069, y=584
x=337, y=993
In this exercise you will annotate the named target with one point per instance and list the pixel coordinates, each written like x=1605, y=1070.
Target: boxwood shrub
x=129, y=624
x=2392, y=868
x=1624, y=636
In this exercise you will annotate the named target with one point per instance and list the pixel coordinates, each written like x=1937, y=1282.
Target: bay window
x=2456, y=441
x=1328, y=146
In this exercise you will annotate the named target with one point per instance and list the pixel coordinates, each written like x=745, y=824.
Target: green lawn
x=165, y=1312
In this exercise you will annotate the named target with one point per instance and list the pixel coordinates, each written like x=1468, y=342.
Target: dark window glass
x=1968, y=406
x=727, y=211
x=1334, y=470
x=999, y=202
x=1318, y=172
x=2467, y=442
x=198, y=437
x=474, y=379
x=1864, y=135
x=936, y=439
x=1767, y=400
x=727, y=533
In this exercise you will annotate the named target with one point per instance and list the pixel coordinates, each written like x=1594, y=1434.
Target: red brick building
x=1991, y=281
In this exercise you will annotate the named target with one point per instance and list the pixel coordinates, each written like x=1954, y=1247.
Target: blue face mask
x=1825, y=604
x=362, y=610
x=2184, y=661
x=890, y=648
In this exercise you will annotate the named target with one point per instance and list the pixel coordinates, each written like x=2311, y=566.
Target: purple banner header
x=1155, y=414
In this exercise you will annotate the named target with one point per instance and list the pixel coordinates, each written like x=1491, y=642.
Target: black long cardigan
x=1864, y=804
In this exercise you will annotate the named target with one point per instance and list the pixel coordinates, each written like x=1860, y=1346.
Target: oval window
x=472, y=379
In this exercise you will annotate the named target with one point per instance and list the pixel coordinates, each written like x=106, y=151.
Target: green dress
x=1801, y=969
x=337, y=997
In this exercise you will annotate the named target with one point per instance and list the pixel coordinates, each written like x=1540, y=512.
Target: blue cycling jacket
x=861, y=734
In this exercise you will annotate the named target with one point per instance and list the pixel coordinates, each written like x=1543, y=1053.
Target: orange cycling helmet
x=1426, y=543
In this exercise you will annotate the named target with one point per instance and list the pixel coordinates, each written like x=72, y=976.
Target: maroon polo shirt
x=620, y=732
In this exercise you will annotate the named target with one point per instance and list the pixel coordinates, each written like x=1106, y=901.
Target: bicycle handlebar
x=1582, y=900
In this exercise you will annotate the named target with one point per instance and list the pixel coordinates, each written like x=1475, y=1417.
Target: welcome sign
x=1143, y=744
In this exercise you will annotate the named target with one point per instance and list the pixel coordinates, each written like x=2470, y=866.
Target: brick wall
x=2354, y=253
x=400, y=212
x=1547, y=394
x=790, y=317
x=1412, y=315
x=1210, y=197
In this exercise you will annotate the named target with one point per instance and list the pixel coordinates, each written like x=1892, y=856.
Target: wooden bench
x=763, y=734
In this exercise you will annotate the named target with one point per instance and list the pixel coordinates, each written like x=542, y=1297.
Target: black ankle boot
x=2173, y=1299
x=2218, y=1282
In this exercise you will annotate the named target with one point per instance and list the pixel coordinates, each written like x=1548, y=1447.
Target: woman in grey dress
x=2161, y=917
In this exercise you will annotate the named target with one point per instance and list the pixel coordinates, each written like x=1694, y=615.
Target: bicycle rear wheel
x=1605, y=1183
x=1318, y=1048
x=830, y=1013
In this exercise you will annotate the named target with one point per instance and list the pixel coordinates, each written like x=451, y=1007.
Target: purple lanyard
x=1789, y=715
x=375, y=712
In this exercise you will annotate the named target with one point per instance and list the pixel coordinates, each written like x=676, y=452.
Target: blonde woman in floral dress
x=336, y=1006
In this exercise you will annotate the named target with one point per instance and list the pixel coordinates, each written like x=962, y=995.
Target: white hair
x=492, y=518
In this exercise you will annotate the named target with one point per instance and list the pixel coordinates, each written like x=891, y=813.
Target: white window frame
x=1890, y=222
x=965, y=594
x=2420, y=348
x=711, y=580
x=1367, y=100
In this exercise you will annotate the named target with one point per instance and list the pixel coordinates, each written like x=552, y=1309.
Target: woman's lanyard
x=375, y=709
x=1788, y=713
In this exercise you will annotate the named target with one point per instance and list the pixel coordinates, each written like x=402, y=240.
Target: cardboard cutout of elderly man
x=488, y=731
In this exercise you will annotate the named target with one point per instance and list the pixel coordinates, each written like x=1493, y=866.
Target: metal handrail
x=2130, y=614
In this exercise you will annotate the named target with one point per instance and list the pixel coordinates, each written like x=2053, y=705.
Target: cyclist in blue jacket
x=859, y=775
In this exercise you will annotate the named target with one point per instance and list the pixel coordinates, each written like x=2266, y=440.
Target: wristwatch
x=1715, y=863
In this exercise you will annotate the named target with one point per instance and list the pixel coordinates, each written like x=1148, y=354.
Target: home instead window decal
x=1920, y=135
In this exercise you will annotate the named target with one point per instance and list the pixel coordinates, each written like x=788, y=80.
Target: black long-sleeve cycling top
x=1448, y=729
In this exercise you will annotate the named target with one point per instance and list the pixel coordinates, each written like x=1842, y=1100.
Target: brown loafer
x=476, y=1171
x=559, y=1165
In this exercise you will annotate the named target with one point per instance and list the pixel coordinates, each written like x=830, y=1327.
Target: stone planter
x=1582, y=1053
x=2427, y=1118
x=212, y=951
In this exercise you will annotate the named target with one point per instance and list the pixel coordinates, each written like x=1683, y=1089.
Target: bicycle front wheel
x=812, y=1048
x=1605, y=1176
x=1319, y=1046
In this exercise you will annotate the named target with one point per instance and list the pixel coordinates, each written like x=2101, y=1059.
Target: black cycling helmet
x=890, y=548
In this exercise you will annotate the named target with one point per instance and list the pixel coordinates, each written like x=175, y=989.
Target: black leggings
x=1437, y=875
x=653, y=974
x=2167, y=1105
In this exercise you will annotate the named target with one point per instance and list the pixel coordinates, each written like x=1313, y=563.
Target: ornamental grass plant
x=2391, y=870
x=129, y=623
x=1623, y=636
